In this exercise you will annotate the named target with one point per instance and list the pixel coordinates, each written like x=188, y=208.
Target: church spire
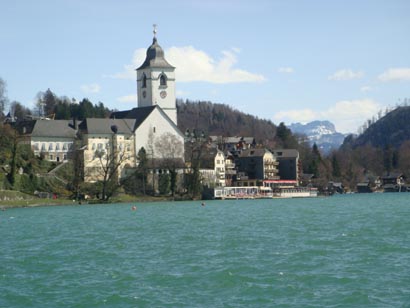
x=155, y=54
x=155, y=31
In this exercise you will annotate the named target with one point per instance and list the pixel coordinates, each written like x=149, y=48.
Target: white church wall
x=152, y=129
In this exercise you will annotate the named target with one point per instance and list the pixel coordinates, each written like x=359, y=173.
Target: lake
x=340, y=251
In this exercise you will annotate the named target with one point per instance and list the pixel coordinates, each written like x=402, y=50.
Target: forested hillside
x=391, y=130
x=219, y=119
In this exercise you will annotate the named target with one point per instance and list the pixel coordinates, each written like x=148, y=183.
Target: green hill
x=391, y=130
x=219, y=119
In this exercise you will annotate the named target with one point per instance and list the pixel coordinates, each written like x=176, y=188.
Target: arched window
x=163, y=80
x=144, y=81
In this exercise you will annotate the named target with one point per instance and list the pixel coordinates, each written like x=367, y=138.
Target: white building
x=156, y=115
x=219, y=168
x=51, y=139
x=156, y=81
x=109, y=142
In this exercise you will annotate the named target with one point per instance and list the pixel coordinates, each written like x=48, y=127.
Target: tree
x=285, y=137
x=195, y=148
x=106, y=171
x=3, y=97
x=404, y=158
x=142, y=168
x=77, y=169
x=171, y=151
x=86, y=109
x=388, y=158
x=335, y=167
x=18, y=110
x=46, y=103
x=9, y=145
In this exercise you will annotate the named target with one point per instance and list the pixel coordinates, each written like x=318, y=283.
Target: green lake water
x=341, y=251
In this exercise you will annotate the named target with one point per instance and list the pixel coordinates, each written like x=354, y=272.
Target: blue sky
x=288, y=61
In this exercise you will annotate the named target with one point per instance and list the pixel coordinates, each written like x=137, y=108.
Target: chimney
x=74, y=124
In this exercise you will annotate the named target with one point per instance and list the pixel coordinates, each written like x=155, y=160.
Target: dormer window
x=163, y=80
x=144, y=81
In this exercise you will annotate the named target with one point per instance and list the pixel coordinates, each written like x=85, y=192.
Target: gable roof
x=286, y=153
x=254, y=153
x=138, y=114
x=53, y=128
x=107, y=126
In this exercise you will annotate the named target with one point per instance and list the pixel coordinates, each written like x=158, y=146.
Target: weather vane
x=155, y=29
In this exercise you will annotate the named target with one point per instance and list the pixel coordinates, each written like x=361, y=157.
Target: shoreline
x=39, y=202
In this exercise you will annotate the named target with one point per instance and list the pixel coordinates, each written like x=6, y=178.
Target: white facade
x=52, y=148
x=156, y=81
x=120, y=144
x=219, y=163
x=154, y=126
x=157, y=89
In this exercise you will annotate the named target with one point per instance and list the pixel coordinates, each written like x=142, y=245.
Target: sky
x=286, y=61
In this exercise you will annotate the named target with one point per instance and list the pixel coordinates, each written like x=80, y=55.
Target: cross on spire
x=155, y=30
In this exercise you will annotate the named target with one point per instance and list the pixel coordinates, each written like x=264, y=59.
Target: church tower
x=156, y=81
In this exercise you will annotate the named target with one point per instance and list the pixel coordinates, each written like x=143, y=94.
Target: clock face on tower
x=163, y=94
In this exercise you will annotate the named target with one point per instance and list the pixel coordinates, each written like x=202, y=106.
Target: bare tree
x=171, y=152
x=106, y=171
x=3, y=96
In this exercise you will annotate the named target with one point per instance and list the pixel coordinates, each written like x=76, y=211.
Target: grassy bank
x=16, y=199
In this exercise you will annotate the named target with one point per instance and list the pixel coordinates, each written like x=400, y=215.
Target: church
x=156, y=113
x=152, y=124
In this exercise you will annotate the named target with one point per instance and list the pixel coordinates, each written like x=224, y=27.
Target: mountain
x=323, y=133
x=391, y=130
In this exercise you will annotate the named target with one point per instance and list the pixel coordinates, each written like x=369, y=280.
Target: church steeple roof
x=155, y=55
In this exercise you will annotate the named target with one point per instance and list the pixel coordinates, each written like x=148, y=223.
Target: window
x=154, y=129
x=50, y=147
x=65, y=157
x=57, y=147
x=65, y=146
x=144, y=81
x=93, y=147
x=51, y=157
x=43, y=147
x=163, y=80
x=100, y=146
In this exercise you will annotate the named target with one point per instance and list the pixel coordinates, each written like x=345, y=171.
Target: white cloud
x=181, y=93
x=195, y=65
x=395, y=74
x=129, y=69
x=128, y=99
x=91, y=88
x=346, y=115
x=346, y=74
x=366, y=89
x=285, y=70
